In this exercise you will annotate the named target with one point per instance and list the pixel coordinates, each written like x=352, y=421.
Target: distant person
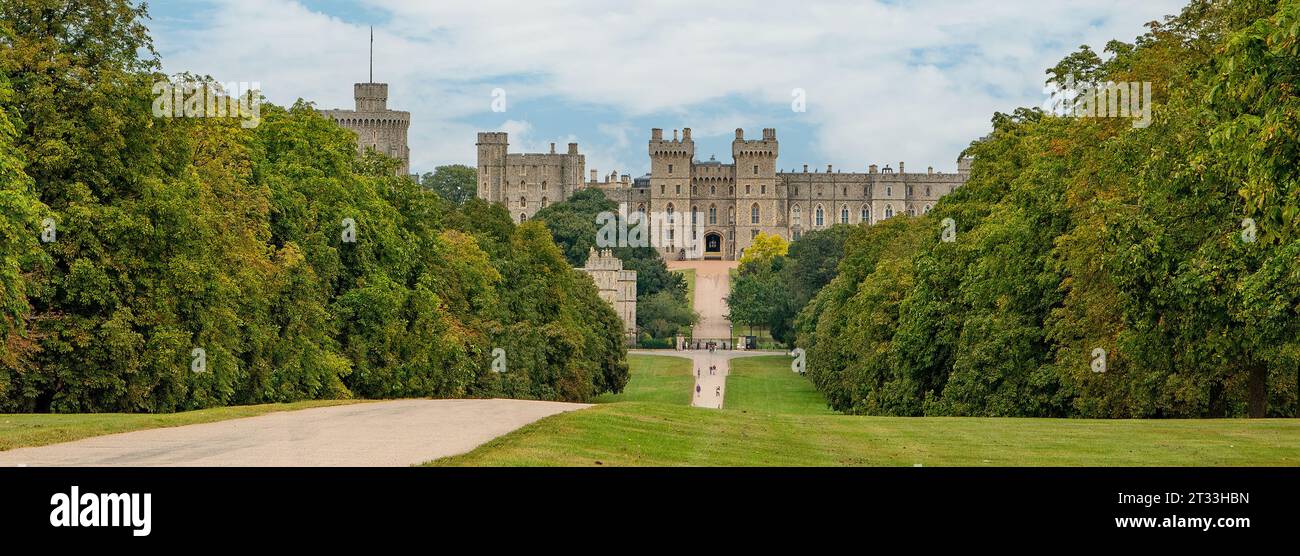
x=697, y=390
x=717, y=392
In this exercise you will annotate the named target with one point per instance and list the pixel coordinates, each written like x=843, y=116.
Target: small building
x=617, y=287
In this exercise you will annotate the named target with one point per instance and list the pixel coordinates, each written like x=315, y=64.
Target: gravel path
x=389, y=433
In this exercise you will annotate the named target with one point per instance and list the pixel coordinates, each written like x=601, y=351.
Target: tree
x=764, y=248
x=456, y=182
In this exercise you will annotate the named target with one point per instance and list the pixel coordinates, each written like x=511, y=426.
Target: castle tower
x=375, y=125
x=671, y=178
x=492, y=147
x=757, y=201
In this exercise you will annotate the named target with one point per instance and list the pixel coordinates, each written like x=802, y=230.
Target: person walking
x=697, y=390
x=717, y=392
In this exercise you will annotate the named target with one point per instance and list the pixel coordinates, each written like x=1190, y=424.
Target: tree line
x=1095, y=268
x=155, y=264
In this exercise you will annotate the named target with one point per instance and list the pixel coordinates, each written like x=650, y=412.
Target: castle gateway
x=726, y=204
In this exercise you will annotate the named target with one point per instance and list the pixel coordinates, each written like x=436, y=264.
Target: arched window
x=641, y=209
x=909, y=191
x=543, y=202
x=670, y=213
x=694, y=214
x=911, y=211
x=713, y=214
x=753, y=214
x=844, y=215
x=731, y=190
x=713, y=190
x=821, y=217
x=523, y=217
x=798, y=215
x=927, y=191
x=927, y=209
x=523, y=203
x=889, y=212
x=866, y=214
x=731, y=215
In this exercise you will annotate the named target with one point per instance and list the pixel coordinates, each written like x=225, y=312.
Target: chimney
x=656, y=134
x=930, y=170
x=674, y=136
x=900, y=166
x=873, y=168
x=573, y=148
x=805, y=168
x=828, y=168
x=552, y=148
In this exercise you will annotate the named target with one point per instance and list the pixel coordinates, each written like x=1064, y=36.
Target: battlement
x=492, y=138
x=765, y=147
x=683, y=146
x=370, y=97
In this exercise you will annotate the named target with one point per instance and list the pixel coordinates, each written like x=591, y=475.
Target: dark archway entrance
x=713, y=245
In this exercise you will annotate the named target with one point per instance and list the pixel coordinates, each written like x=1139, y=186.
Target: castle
x=730, y=203
x=376, y=126
x=617, y=286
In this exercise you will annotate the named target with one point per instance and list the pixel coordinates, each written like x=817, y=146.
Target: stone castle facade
x=729, y=204
x=376, y=126
x=617, y=286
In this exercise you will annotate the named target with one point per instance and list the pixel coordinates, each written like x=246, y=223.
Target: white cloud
x=885, y=81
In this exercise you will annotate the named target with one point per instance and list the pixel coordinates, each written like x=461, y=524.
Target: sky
x=882, y=81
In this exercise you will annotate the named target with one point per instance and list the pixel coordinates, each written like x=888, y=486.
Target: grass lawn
x=666, y=380
x=649, y=434
x=773, y=417
x=767, y=385
x=689, y=274
x=19, y=430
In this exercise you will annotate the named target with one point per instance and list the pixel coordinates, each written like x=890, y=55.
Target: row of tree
x=1097, y=269
x=158, y=264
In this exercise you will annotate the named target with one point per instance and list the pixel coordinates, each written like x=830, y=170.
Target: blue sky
x=884, y=81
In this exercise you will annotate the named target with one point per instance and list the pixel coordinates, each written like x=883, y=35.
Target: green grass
x=650, y=434
x=775, y=418
x=689, y=274
x=657, y=379
x=767, y=385
x=19, y=430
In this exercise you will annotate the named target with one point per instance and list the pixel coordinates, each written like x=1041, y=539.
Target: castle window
x=844, y=215
x=798, y=215
x=523, y=203
x=713, y=190
x=797, y=235
x=670, y=213
x=693, y=190
x=909, y=191
x=661, y=189
x=763, y=189
x=927, y=209
x=864, y=191
x=927, y=191
x=543, y=202
x=755, y=169
x=911, y=212
x=679, y=189
x=753, y=214
x=796, y=190
x=866, y=215
x=821, y=217
x=747, y=186
x=889, y=212
x=713, y=214
x=889, y=192
x=694, y=214
x=731, y=190
x=523, y=217
x=731, y=215
x=753, y=234
x=845, y=192
x=670, y=168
